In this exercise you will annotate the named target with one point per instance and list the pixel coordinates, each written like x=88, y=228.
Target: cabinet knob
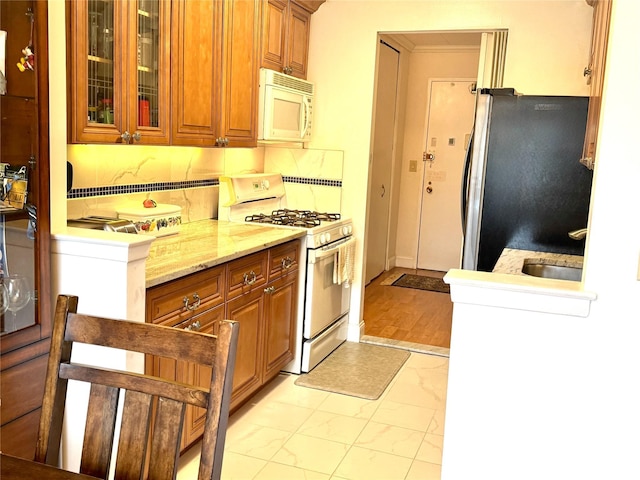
x=194, y=327
x=270, y=289
x=250, y=278
x=126, y=137
x=222, y=141
x=194, y=305
x=136, y=136
x=287, y=262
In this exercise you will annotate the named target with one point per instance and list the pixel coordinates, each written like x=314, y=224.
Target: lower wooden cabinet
x=248, y=309
x=260, y=292
x=280, y=323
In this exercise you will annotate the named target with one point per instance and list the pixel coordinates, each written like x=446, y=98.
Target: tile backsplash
x=109, y=177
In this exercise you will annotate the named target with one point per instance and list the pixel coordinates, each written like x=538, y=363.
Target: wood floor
x=407, y=314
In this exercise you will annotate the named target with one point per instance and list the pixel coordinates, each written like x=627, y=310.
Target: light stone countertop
x=512, y=260
x=206, y=243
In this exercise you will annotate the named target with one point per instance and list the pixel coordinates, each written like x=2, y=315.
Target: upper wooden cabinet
x=119, y=81
x=240, y=67
x=178, y=72
x=594, y=73
x=195, y=72
x=285, y=37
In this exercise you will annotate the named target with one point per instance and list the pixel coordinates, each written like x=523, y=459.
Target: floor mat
x=357, y=369
x=421, y=282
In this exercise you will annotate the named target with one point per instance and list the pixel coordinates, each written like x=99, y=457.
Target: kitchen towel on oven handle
x=343, y=264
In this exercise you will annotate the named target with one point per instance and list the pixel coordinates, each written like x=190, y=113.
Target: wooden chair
x=153, y=408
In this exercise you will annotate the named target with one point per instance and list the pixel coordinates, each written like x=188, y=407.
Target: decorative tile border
x=162, y=186
x=313, y=181
x=139, y=188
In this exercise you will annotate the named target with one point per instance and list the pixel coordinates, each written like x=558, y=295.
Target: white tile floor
x=291, y=432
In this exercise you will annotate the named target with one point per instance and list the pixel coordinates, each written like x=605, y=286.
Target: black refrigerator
x=523, y=184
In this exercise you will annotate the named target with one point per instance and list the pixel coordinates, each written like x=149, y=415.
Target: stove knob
x=323, y=238
x=346, y=230
x=328, y=237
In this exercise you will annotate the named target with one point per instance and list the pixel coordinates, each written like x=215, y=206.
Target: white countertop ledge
x=519, y=292
x=98, y=244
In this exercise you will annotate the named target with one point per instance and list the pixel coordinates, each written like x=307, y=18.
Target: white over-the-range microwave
x=285, y=109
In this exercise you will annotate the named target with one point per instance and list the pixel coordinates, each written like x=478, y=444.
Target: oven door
x=325, y=301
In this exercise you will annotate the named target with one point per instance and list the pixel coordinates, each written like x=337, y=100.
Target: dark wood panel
x=13, y=19
x=18, y=130
x=18, y=437
x=22, y=387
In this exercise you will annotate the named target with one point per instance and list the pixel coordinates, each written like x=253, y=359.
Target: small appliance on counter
x=108, y=224
x=159, y=220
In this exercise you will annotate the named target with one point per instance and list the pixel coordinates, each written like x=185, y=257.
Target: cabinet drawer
x=181, y=299
x=246, y=274
x=284, y=258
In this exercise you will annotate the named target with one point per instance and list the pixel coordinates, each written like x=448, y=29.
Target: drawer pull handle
x=194, y=305
x=194, y=327
x=250, y=278
x=270, y=289
x=287, y=263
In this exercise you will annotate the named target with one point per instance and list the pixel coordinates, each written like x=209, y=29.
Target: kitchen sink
x=547, y=270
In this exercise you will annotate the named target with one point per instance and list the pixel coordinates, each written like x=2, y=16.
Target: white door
x=449, y=123
x=380, y=184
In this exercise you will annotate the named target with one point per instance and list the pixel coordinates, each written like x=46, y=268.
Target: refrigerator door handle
x=464, y=187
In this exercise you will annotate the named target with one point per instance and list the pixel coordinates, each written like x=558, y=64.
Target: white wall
x=546, y=54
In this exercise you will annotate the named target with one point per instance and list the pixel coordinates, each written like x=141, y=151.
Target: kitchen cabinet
x=280, y=308
x=24, y=139
x=259, y=291
x=246, y=278
x=215, y=73
x=195, y=72
x=285, y=37
x=240, y=68
x=161, y=72
x=195, y=302
x=119, y=71
x=594, y=73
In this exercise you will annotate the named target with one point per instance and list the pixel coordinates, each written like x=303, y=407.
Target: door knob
x=429, y=189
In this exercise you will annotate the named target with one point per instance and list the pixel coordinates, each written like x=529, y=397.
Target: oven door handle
x=323, y=252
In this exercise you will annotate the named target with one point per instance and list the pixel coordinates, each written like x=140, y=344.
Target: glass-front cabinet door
x=149, y=74
x=120, y=78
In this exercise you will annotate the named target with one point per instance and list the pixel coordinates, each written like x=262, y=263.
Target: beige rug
x=357, y=369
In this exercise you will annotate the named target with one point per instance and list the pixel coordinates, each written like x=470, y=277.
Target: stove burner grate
x=295, y=218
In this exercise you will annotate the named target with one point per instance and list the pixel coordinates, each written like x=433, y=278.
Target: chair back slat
x=153, y=408
x=99, y=430
x=165, y=438
x=137, y=337
x=132, y=445
x=192, y=395
x=220, y=398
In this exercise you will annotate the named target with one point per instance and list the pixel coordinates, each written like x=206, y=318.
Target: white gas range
x=324, y=278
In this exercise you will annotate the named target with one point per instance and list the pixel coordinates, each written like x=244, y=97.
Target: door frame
x=394, y=155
